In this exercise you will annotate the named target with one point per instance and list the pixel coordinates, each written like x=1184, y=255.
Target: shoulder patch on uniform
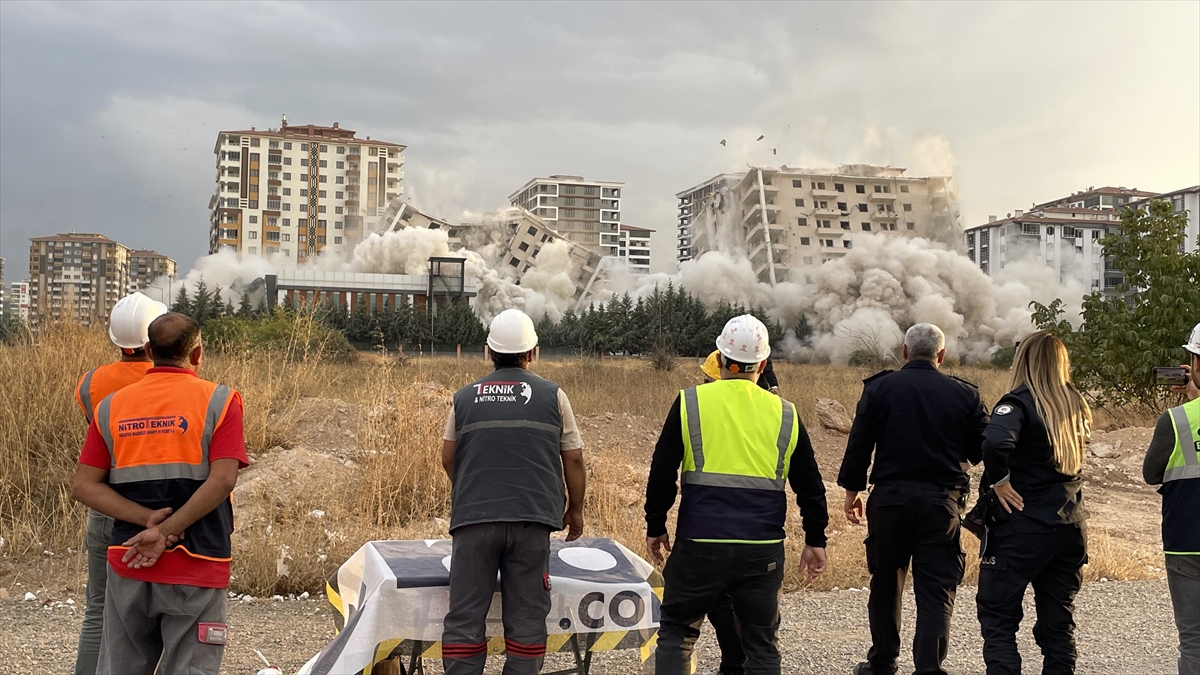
x=878, y=375
x=969, y=384
x=1003, y=409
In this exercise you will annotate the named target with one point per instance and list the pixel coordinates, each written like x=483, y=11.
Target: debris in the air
x=761, y=137
x=723, y=142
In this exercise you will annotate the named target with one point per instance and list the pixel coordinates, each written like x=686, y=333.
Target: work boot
x=865, y=668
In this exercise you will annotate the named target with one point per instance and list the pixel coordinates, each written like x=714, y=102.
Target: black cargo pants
x=1020, y=552
x=520, y=553
x=694, y=580
x=917, y=524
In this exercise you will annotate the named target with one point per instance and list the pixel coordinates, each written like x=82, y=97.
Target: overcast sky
x=109, y=112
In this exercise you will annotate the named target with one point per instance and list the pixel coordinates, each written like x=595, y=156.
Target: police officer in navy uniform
x=924, y=428
x=1032, y=455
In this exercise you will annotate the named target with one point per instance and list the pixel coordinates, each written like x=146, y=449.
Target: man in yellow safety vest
x=738, y=445
x=1172, y=462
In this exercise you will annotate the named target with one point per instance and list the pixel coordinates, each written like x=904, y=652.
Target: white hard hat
x=744, y=340
x=1193, y=344
x=130, y=319
x=512, y=332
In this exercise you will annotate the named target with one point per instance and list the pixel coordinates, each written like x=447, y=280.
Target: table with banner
x=391, y=598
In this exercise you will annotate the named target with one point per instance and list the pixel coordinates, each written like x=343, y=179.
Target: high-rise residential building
x=1185, y=200
x=1099, y=198
x=3, y=294
x=18, y=301
x=146, y=266
x=298, y=191
x=635, y=248
x=794, y=220
x=76, y=276
x=1064, y=238
x=587, y=212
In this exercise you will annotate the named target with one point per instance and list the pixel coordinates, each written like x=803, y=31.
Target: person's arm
x=449, y=444
x=1162, y=444
x=860, y=445
x=91, y=489
x=661, y=485
x=146, y=546
x=999, y=440
x=805, y=478
x=768, y=376
x=973, y=446
x=575, y=475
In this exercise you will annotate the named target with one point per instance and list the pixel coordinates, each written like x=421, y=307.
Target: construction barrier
x=391, y=598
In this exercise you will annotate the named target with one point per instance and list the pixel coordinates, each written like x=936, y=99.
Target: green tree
x=183, y=304
x=1123, y=336
x=245, y=309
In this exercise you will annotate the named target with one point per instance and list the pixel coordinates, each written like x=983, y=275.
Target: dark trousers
x=729, y=637
x=917, y=525
x=695, y=578
x=1183, y=580
x=520, y=552
x=1021, y=552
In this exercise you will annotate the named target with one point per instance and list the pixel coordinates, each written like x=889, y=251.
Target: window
x=862, y=208
x=845, y=225
x=304, y=147
x=846, y=243
x=272, y=222
x=287, y=160
x=274, y=145
x=254, y=142
x=272, y=236
x=341, y=149
x=820, y=186
x=340, y=165
x=866, y=227
x=337, y=195
x=891, y=227
x=304, y=208
x=321, y=208
x=337, y=224
x=514, y=262
x=303, y=178
x=322, y=178
x=288, y=191
x=287, y=176
x=903, y=187
x=320, y=239
x=340, y=180
x=285, y=237
x=797, y=183
x=321, y=224
x=908, y=207
x=839, y=187
x=803, y=222
x=1050, y=231
x=254, y=187
x=287, y=145
x=302, y=238
x=799, y=202
x=321, y=193
x=253, y=250
x=1095, y=235
x=842, y=206
x=274, y=159
x=254, y=219
x=324, y=148
x=303, y=161
x=252, y=234
x=878, y=189
x=544, y=236
x=533, y=231
x=824, y=224
x=821, y=205
x=860, y=189
x=303, y=192
x=524, y=246
x=805, y=241
x=337, y=209
x=911, y=226
x=324, y=164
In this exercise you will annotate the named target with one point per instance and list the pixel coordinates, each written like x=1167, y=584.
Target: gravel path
x=1124, y=628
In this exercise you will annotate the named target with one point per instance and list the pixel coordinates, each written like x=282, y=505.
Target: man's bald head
x=173, y=336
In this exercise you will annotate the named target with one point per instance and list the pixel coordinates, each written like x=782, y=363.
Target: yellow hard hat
x=711, y=368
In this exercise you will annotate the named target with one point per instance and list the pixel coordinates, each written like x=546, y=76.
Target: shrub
x=1003, y=357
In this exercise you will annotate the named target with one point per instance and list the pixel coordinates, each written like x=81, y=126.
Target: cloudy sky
x=109, y=112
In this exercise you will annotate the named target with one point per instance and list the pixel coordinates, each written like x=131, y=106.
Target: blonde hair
x=1042, y=364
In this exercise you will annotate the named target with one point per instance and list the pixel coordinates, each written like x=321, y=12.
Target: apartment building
x=1109, y=198
x=3, y=294
x=586, y=212
x=790, y=221
x=76, y=276
x=298, y=191
x=1187, y=199
x=635, y=248
x=1064, y=238
x=18, y=301
x=146, y=266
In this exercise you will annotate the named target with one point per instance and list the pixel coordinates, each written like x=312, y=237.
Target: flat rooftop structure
x=343, y=288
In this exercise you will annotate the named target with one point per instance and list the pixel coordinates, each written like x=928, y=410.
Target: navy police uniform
x=1044, y=544
x=924, y=429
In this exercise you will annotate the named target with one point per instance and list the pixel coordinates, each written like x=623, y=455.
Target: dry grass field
x=361, y=462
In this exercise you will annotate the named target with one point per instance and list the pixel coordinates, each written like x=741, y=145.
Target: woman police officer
x=1033, y=454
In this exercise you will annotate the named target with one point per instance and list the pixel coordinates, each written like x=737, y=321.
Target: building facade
x=1064, y=238
x=3, y=290
x=635, y=248
x=1185, y=200
x=790, y=221
x=18, y=301
x=1108, y=198
x=146, y=266
x=76, y=277
x=299, y=191
x=586, y=212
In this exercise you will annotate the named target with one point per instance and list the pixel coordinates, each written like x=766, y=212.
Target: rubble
x=833, y=415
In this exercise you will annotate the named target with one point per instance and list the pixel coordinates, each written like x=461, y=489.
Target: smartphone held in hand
x=1169, y=377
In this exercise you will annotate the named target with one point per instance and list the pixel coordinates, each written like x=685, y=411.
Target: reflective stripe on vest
x=700, y=477
x=1183, y=463
x=215, y=409
x=85, y=394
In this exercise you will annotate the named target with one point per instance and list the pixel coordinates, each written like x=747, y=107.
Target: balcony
x=827, y=211
x=884, y=215
x=758, y=254
x=753, y=217
x=881, y=197
x=751, y=196
x=756, y=237
x=352, y=171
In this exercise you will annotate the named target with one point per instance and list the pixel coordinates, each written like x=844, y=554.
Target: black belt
x=926, y=486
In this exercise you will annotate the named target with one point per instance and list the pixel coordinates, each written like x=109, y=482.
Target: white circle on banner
x=591, y=559
x=446, y=563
